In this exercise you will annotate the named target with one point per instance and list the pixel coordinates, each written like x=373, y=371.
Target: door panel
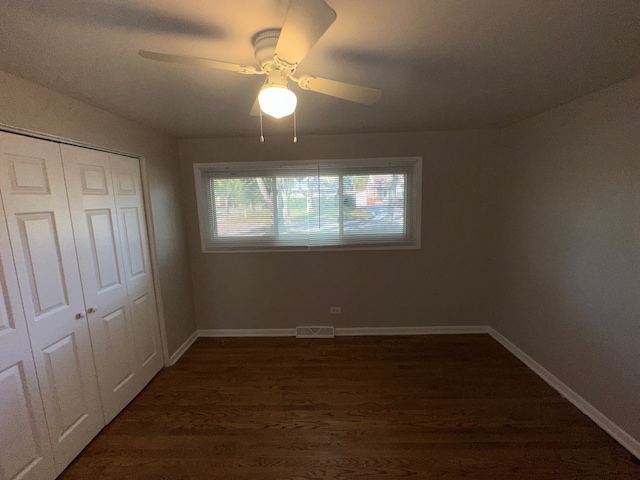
x=62, y=363
x=34, y=196
x=121, y=368
x=98, y=241
x=27, y=174
x=144, y=329
x=21, y=453
x=41, y=251
x=26, y=451
x=93, y=178
x=131, y=224
x=103, y=249
x=137, y=265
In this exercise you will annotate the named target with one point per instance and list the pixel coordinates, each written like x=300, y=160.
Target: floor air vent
x=314, y=332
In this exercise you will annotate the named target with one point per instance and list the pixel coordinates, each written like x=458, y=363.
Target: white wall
x=446, y=282
x=570, y=275
x=29, y=106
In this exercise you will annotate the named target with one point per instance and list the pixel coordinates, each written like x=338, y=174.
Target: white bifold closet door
x=42, y=239
x=138, y=275
x=25, y=451
x=107, y=210
x=79, y=331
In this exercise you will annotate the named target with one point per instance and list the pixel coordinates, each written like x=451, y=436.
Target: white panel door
x=25, y=451
x=94, y=216
x=137, y=265
x=35, y=201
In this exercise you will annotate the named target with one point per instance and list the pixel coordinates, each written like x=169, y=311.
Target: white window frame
x=412, y=165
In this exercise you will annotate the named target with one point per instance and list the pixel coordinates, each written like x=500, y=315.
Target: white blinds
x=309, y=205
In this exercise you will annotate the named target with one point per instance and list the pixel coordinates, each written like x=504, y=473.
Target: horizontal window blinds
x=309, y=205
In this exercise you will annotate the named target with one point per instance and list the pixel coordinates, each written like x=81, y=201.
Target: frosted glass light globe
x=277, y=100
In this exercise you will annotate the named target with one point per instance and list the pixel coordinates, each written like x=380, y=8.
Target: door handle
x=80, y=315
x=92, y=310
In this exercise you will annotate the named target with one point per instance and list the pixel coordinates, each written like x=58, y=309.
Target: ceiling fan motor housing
x=264, y=50
x=265, y=46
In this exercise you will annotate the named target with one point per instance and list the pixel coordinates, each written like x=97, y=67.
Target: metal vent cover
x=315, y=332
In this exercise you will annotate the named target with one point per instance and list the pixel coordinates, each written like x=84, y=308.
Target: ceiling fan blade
x=255, y=110
x=198, y=61
x=305, y=23
x=346, y=91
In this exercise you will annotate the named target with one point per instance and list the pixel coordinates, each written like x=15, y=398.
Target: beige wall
x=571, y=266
x=446, y=282
x=534, y=229
x=28, y=106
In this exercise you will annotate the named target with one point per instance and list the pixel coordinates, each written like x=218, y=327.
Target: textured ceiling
x=441, y=64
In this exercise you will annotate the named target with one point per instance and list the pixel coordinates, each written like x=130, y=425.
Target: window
x=352, y=204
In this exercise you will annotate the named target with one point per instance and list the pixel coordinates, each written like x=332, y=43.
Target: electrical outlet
x=335, y=310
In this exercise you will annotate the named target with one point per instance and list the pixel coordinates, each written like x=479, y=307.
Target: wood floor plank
x=423, y=407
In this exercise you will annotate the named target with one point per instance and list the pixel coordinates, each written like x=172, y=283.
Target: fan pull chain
x=295, y=128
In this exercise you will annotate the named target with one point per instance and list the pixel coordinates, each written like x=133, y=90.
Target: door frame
x=153, y=255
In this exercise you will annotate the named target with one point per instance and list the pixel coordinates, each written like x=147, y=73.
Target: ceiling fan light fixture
x=279, y=51
x=277, y=100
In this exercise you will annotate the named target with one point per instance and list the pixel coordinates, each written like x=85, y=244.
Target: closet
x=79, y=332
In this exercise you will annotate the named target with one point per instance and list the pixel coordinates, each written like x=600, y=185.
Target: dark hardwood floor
x=423, y=407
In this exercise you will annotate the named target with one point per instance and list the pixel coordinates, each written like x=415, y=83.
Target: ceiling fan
x=279, y=52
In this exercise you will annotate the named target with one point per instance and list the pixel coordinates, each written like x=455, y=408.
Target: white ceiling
x=441, y=64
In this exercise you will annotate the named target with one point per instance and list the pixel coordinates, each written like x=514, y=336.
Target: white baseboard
x=248, y=332
x=344, y=332
x=183, y=348
x=622, y=437
x=365, y=331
